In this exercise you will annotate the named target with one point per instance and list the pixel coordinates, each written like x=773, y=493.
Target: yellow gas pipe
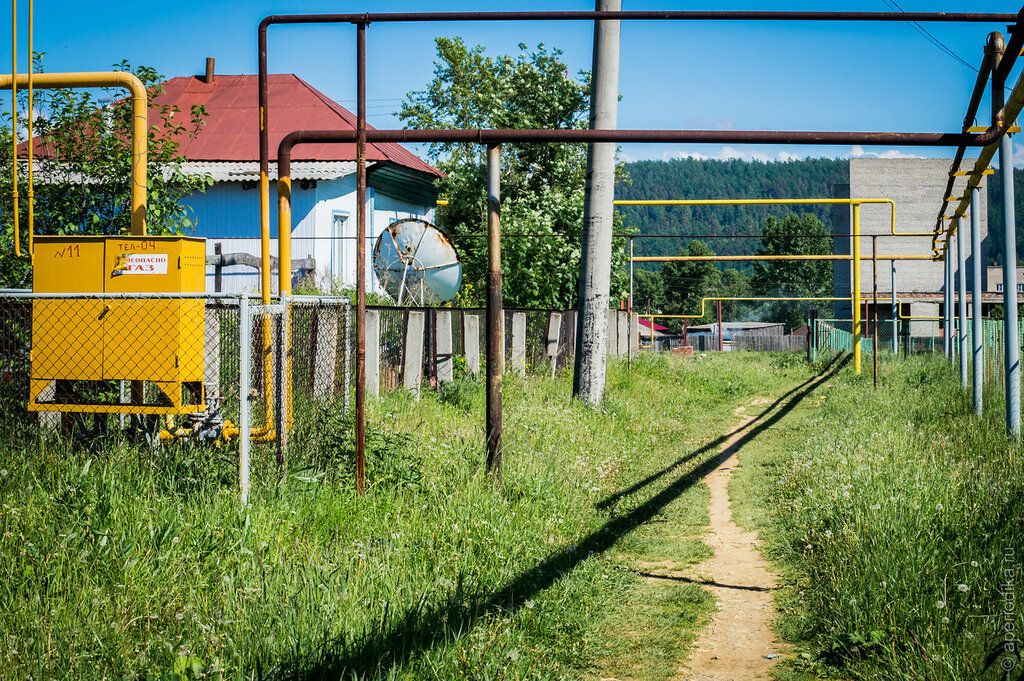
x=139, y=122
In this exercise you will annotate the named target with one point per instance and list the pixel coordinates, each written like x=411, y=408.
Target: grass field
x=894, y=517
x=121, y=563
x=898, y=520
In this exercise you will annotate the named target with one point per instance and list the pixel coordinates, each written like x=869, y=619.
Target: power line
x=928, y=36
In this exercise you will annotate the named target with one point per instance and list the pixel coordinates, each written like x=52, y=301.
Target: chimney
x=209, y=70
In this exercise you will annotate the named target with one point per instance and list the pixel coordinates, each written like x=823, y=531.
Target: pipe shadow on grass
x=612, y=499
x=397, y=638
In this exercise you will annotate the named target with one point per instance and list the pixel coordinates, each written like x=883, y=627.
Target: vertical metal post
x=495, y=330
x=218, y=270
x=283, y=386
x=874, y=299
x=857, y=333
x=629, y=312
x=360, y=444
x=961, y=270
x=895, y=307
x=947, y=303
x=813, y=330
x=348, y=354
x=721, y=345
x=976, y=333
x=1011, y=339
x=244, y=389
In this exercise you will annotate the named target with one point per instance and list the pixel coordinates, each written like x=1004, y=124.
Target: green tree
x=541, y=184
x=735, y=284
x=83, y=167
x=793, y=235
x=688, y=282
x=648, y=291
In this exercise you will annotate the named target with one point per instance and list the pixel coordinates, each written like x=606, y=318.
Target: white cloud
x=857, y=151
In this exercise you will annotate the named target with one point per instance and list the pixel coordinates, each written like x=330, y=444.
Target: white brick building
x=917, y=187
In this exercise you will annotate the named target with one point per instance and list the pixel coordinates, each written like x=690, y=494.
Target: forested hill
x=707, y=179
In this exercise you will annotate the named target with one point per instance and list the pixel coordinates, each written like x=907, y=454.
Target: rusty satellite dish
x=417, y=263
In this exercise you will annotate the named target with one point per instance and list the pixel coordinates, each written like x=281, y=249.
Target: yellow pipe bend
x=140, y=113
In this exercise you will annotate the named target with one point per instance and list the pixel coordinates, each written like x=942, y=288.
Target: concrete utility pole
x=598, y=209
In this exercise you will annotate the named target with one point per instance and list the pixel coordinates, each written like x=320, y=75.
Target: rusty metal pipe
x=635, y=15
x=980, y=85
x=502, y=136
x=361, y=258
x=495, y=315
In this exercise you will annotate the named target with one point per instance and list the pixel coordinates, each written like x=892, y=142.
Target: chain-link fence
x=222, y=370
x=162, y=365
x=831, y=336
x=993, y=350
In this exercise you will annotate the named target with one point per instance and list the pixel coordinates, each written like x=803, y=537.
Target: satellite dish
x=415, y=261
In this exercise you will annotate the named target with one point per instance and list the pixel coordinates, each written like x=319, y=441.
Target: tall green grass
x=125, y=563
x=898, y=518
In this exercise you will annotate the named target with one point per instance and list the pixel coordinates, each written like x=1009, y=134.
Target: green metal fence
x=832, y=336
x=992, y=349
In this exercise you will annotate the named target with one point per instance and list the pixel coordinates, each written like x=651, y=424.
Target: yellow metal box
x=110, y=339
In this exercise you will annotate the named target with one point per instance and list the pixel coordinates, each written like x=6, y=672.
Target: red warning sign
x=142, y=263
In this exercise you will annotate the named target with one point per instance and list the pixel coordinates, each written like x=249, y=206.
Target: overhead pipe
x=1002, y=121
x=980, y=85
x=757, y=258
x=140, y=106
x=769, y=202
x=362, y=20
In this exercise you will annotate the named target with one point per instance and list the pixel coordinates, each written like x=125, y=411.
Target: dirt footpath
x=735, y=644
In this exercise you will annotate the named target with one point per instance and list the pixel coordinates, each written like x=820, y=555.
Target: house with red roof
x=400, y=184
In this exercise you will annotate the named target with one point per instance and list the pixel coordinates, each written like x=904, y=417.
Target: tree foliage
x=690, y=178
x=83, y=166
x=687, y=282
x=794, y=235
x=541, y=184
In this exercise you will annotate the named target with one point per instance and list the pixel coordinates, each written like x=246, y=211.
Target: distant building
x=730, y=329
x=917, y=187
x=400, y=184
x=995, y=281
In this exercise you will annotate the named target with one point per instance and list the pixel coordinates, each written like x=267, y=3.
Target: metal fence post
x=947, y=304
x=244, y=377
x=283, y=388
x=348, y=354
x=895, y=307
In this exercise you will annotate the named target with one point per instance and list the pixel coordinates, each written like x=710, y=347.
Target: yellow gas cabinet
x=80, y=344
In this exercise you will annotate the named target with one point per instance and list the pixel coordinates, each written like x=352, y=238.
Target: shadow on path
x=399, y=637
x=705, y=582
x=611, y=499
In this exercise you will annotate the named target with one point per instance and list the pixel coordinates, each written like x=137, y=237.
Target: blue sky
x=799, y=76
